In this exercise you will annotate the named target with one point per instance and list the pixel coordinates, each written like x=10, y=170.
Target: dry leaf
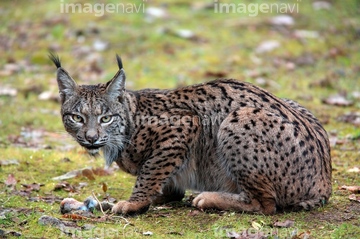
x=74, y=217
x=354, y=170
x=282, y=20
x=101, y=171
x=7, y=91
x=64, y=186
x=88, y=173
x=337, y=100
x=267, y=46
x=355, y=198
x=48, y=199
x=10, y=181
x=286, y=223
x=353, y=189
x=193, y=213
x=104, y=187
x=256, y=225
x=352, y=118
x=148, y=233
x=32, y=187
x=9, y=162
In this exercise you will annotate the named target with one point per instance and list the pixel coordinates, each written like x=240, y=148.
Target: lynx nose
x=92, y=136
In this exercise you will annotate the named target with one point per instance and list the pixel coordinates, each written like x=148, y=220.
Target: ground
x=310, y=54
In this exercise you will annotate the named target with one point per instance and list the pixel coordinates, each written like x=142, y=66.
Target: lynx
x=243, y=148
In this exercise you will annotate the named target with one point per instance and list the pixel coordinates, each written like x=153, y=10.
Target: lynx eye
x=77, y=118
x=105, y=119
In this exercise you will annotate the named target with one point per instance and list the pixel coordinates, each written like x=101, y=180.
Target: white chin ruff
x=93, y=151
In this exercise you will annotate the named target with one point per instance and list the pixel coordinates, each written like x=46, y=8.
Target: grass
x=155, y=56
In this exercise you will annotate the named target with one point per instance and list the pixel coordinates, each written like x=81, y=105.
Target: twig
x=111, y=215
x=93, y=194
x=121, y=217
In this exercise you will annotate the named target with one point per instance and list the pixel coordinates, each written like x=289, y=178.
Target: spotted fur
x=244, y=148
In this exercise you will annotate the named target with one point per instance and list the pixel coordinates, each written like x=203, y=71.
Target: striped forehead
x=91, y=100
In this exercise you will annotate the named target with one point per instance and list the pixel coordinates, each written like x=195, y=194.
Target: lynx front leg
x=149, y=186
x=168, y=153
x=170, y=193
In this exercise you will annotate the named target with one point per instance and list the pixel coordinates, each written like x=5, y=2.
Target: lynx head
x=96, y=116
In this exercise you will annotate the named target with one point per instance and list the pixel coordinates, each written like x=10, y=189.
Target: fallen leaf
x=153, y=13
x=48, y=199
x=104, y=187
x=65, y=160
x=351, y=118
x=49, y=95
x=9, y=162
x=286, y=223
x=282, y=20
x=7, y=91
x=10, y=181
x=148, y=233
x=102, y=172
x=232, y=234
x=65, y=186
x=176, y=233
x=355, y=198
x=337, y=100
x=256, y=225
x=5, y=234
x=194, y=213
x=356, y=95
x=267, y=46
x=354, y=170
x=74, y=217
x=184, y=34
x=353, y=189
x=32, y=187
x=162, y=208
x=88, y=173
x=100, y=45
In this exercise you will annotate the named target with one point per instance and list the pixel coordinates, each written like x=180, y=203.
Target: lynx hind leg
x=232, y=201
x=247, y=151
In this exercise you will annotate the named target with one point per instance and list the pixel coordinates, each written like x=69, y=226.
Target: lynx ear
x=116, y=86
x=66, y=84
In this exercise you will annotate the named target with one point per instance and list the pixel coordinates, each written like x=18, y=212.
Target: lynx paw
x=130, y=208
x=207, y=200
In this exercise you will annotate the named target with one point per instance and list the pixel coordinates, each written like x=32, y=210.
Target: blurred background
x=305, y=50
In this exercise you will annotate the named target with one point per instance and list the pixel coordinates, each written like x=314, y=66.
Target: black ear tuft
x=55, y=58
x=119, y=62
